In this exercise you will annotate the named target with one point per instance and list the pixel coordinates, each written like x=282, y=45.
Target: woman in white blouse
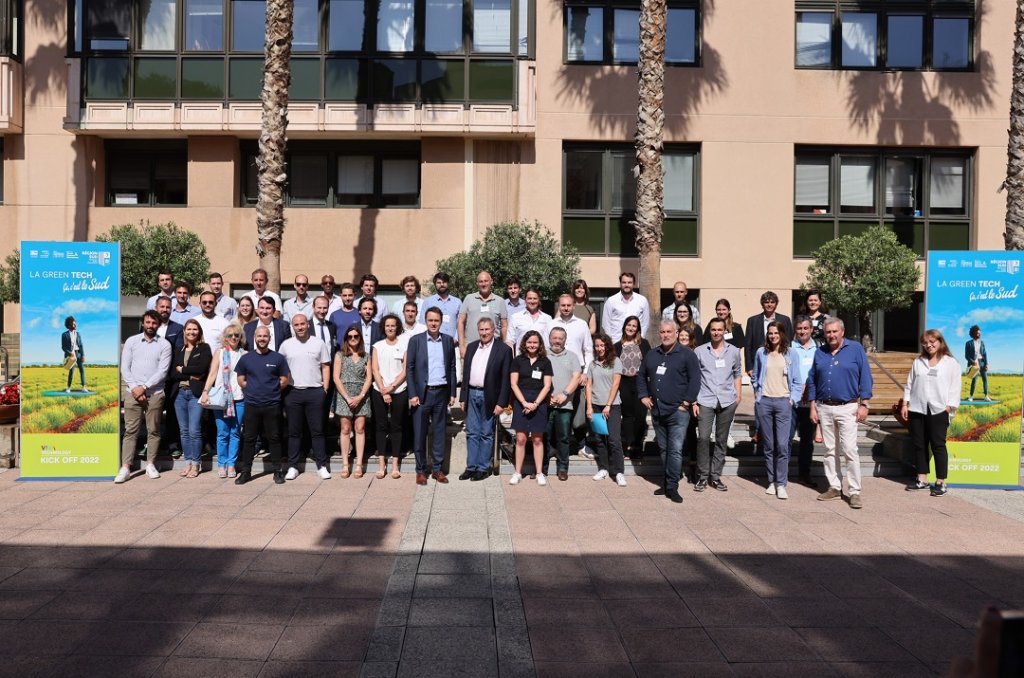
x=390, y=398
x=929, y=402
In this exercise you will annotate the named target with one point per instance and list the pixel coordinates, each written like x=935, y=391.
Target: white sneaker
x=781, y=493
x=151, y=471
x=67, y=390
x=323, y=473
x=620, y=480
x=122, y=475
x=292, y=474
x=988, y=399
x=601, y=475
x=541, y=479
x=730, y=442
x=586, y=452
x=770, y=489
x=514, y=480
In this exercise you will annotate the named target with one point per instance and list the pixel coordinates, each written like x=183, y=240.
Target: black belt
x=437, y=387
x=836, y=402
x=476, y=388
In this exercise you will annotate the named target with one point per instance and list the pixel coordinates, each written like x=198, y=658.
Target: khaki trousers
x=134, y=413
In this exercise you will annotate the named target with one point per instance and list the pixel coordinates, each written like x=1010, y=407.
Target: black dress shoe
x=718, y=485
x=660, y=492
x=279, y=477
x=467, y=475
x=563, y=475
x=243, y=478
x=674, y=496
x=481, y=475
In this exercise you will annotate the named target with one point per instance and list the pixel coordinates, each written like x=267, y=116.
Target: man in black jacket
x=757, y=324
x=485, y=394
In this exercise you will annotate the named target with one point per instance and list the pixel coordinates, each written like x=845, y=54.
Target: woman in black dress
x=531, y=383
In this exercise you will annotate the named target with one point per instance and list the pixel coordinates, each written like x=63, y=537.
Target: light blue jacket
x=796, y=384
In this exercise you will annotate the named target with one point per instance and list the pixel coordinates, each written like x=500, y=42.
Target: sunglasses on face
x=233, y=335
x=351, y=336
x=302, y=284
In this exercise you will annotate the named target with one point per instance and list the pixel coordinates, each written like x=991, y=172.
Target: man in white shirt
x=259, y=290
x=680, y=293
x=309, y=361
x=368, y=286
x=410, y=325
x=531, y=319
x=301, y=302
x=226, y=306
x=577, y=331
x=623, y=304
x=213, y=323
x=333, y=300
x=164, y=283
x=320, y=327
x=411, y=289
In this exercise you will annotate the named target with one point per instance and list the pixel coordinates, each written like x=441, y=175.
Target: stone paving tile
x=146, y=639
x=732, y=611
x=761, y=645
x=311, y=669
x=683, y=670
x=885, y=670
x=451, y=612
x=669, y=613
x=230, y=641
x=452, y=585
x=589, y=669
x=21, y=604
x=256, y=607
x=328, y=611
x=568, y=613
x=190, y=667
x=588, y=645
x=853, y=645
x=670, y=645
x=810, y=669
x=322, y=643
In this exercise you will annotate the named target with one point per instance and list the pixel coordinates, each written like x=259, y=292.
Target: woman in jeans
x=229, y=419
x=603, y=378
x=189, y=371
x=777, y=387
x=390, y=396
x=929, y=402
x=631, y=350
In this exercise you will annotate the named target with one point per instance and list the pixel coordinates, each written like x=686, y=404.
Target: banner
x=974, y=299
x=70, y=344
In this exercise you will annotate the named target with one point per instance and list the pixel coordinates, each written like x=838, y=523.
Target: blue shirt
x=449, y=313
x=845, y=376
x=435, y=362
x=181, y=317
x=805, y=358
x=343, y=319
x=262, y=372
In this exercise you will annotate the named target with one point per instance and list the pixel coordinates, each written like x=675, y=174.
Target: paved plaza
x=177, y=577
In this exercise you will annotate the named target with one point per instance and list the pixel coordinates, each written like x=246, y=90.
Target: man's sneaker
x=586, y=452
x=718, y=485
x=781, y=493
x=987, y=398
x=855, y=501
x=67, y=390
x=730, y=442
x=770, y=489
x=122, y=475
x=152, y=472
x=292, y=474
x=542, y=479
x=831, y=494
x=701, y=485
x=970, y=398
x=323, y=473
x=601, y=475
x=939, y=490
x=917, y=485
x=620, y=479
x=514, y=480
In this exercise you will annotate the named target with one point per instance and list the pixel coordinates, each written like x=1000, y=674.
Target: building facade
x=416, y=124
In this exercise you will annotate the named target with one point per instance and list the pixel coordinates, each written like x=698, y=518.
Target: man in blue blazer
x=486, y=391
x=977, y=360
x=430, y=373
x=171, y=331
x=265, y=311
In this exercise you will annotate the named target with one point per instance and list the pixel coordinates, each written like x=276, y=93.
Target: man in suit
x=757, y=325
x=485, y=394
x=977, y=361
x=174, y=333
x=430, y=365
x=279, y=329
x=327, y=332
x=169, y=330
x=369, y=327
x=71, y=344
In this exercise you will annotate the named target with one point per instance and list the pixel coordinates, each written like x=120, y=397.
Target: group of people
x=385, y=372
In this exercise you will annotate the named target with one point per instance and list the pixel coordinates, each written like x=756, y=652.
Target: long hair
x=251, y=316
x=625, y=322
x=783, y=338
x=609, y=350
x=689, y=325
x=728, y=318
x=581, y=283
x=360, y=349
x=943, y=346
x=540, y=349
x=193, y=321
x=692, y=342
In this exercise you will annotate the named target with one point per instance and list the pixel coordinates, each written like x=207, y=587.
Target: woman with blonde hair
x=228, y=413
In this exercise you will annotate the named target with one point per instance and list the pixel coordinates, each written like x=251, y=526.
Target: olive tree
x=147, y=249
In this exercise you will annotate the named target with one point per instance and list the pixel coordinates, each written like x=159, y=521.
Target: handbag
x=217, y=398
x=897, y=413
x=598, y=424
x=70, y=361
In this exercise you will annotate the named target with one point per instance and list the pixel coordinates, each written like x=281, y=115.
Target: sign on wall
x=70, y=343
x=974, y=299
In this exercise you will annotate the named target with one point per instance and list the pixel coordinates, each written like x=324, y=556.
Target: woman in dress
x=604, y=375
x=390, y=395
x=228, y=419
x=684, y=320
x=352, y=378
x=531, y=375
x=631, y=350
x=777, y=387
x=190, y=369
x=929, y=402
x=581, y=304
x=246, y=311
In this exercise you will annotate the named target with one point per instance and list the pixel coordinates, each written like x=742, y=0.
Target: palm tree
x=1014, y=183
x=650, y=175
x=270, y=163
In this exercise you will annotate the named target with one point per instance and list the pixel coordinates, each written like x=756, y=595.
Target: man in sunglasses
x=301, y=302
x=213, y=323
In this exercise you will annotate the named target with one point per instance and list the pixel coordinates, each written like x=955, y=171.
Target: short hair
x=410, y=303
x=534, y=290
x=833, y=320
x=369, y=300
x=154, y=315
x=973, y=332
x=69, y=321
x=215, y=275
x=433, y=309
x=769, y=296
x=442, y=276
x=717, y=320
x=193, y=321
x=207, y=293
x=668, y=323
x=164, y=271
x=802, y=318
x=162, y=299
x=486, y=320
x=347, y=286
x=328, y=276
x=369, y=277
x=564, y=295
x=320, y=296
x=398, y=321
x=260, y=328
x=627, y=274
x=267, y=300
x=513, y=280
x=410, y=279
x=259, y=270
x=558, y=328
x=181, y=284
x=233, y=324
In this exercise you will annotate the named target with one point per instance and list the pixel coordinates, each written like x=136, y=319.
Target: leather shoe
x=439, y=476
x=421, y=478
x=660, y=492
x=563, y=476
x=467, y=475
x=481, y=475
x=674, y=496
x=279, y=476
x=243, y=478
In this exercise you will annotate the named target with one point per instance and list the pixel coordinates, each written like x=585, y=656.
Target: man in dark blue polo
x=668, y=383
x=839, y=389
x=262, y=374
x=485, y=394
x=430, y=373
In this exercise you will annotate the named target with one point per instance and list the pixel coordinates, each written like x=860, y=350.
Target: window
x=599, y=199
x=147, y=173
x=356, y=174
x=921, y=196
x=607, y=31
x=872, y=34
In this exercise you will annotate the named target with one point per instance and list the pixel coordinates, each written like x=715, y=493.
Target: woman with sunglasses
x=189, y=371
x=228, y=419
x=390, y=394
x=352, y=378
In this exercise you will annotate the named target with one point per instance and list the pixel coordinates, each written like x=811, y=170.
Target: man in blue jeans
x=668, y=383
x=485, y=393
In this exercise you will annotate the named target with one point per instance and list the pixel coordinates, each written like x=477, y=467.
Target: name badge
x=484, y=308
x=720, y=363
x=933, y=372
x=661, y=369
x=727, y=336
x=446, y=318
x=536, y=374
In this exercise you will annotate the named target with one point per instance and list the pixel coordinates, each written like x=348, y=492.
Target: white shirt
x=669, y=311
x=315, y=330
x=617, y=309
x=234, y=357
x=933, y=389
x=521, y=323
x=409, y=332
x=382, y=307
x=151, y=302
x=398, y=308
x=478, y=370
x=226, y=306
x=212, y=329
x=293, y=307
x=278, y=306
x=577, y=337
x=305, y=359
x=389, y=362
x=333, y=304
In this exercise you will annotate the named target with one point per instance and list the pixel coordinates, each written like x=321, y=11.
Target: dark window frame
x=904, y=225
x=12, y=29
x=608, y=8
x=929, y=9
x=153, y=151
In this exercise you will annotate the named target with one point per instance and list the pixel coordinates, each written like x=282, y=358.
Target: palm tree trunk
x=272, y=170
x=650, y=175
x=1014, y=183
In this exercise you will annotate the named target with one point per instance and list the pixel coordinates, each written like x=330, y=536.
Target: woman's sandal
x=345, y=473
x=380, y=475
x=396, y=475
x=185, y=471
x=358, y=473
x=193, y=472
x=222, y=472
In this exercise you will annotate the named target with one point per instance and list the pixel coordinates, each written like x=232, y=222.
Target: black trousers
x=306, y=405
x=805, y=448
x=256, y=421
x=389, y=421
x=634, y=417
x=929, y=430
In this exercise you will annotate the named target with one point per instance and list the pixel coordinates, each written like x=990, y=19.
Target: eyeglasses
x=302, y=284
x=351, y=336
x=207, y=303
x=233, y=335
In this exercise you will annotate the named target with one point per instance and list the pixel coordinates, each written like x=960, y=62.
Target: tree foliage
x=148, y=248
x=521, y=249
x=859, y=274
x=10, y=277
